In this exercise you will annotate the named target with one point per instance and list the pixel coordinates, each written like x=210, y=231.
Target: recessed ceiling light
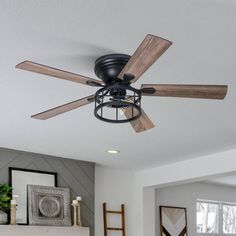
x=112, y=151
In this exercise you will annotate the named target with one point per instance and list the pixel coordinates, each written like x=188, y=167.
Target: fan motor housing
x=108, y=67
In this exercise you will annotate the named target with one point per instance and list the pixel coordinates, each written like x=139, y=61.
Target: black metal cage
x=117, y=103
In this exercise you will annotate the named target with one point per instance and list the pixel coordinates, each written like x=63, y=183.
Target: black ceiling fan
x=117, y=101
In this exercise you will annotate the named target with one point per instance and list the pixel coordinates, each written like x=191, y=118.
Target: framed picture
x=19, y=179
x=173, y=221
x=49, y=206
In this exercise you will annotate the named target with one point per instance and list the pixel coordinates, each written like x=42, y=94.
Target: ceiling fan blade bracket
x=91, y=99
x=93, y=83
x=147, y=90
x=128, y=77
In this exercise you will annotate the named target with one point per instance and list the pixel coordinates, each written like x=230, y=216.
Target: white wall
x=115, y=187
x=136, y=189
x=180, y=172
x=149, y=213
x=186, y=195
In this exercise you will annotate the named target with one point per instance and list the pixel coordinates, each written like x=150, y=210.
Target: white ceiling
x=70, y=34
x=225, y=180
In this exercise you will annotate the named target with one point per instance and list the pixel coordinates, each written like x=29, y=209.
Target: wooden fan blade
x=188, y=91
x=142, y=123
x=61, y=74
x=64, y=108
x=145, y=55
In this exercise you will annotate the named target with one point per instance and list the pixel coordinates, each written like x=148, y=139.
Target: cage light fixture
x=114, y=98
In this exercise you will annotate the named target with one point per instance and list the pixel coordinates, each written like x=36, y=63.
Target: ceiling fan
x=117, y=101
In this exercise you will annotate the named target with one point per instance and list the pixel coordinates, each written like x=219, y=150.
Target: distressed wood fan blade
x=142, y=123
x=145, y=55
x=61, y=74
x=64, y=108
x=187, y=91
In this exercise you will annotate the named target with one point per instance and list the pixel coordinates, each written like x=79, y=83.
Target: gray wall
x=186, y=195
x=77, y=175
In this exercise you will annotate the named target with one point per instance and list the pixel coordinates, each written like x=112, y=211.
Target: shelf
x=18, y=230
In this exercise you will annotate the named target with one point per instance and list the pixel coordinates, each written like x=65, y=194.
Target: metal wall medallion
x=49, y=206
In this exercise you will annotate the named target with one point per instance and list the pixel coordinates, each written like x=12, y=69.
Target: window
x=216, y=217
x=229, y=219
x=207, y=217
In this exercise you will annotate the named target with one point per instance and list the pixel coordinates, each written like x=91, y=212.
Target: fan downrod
x=108, y=67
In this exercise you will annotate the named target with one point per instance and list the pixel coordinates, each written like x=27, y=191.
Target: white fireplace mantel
x=12, y=230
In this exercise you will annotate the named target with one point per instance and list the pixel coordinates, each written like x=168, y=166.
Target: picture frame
x=19, y=178
x=49, y=206
x=173, y=221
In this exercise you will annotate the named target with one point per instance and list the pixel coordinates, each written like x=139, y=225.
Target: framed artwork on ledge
x=19, y=179
x=173, y=221
x=49, y=206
